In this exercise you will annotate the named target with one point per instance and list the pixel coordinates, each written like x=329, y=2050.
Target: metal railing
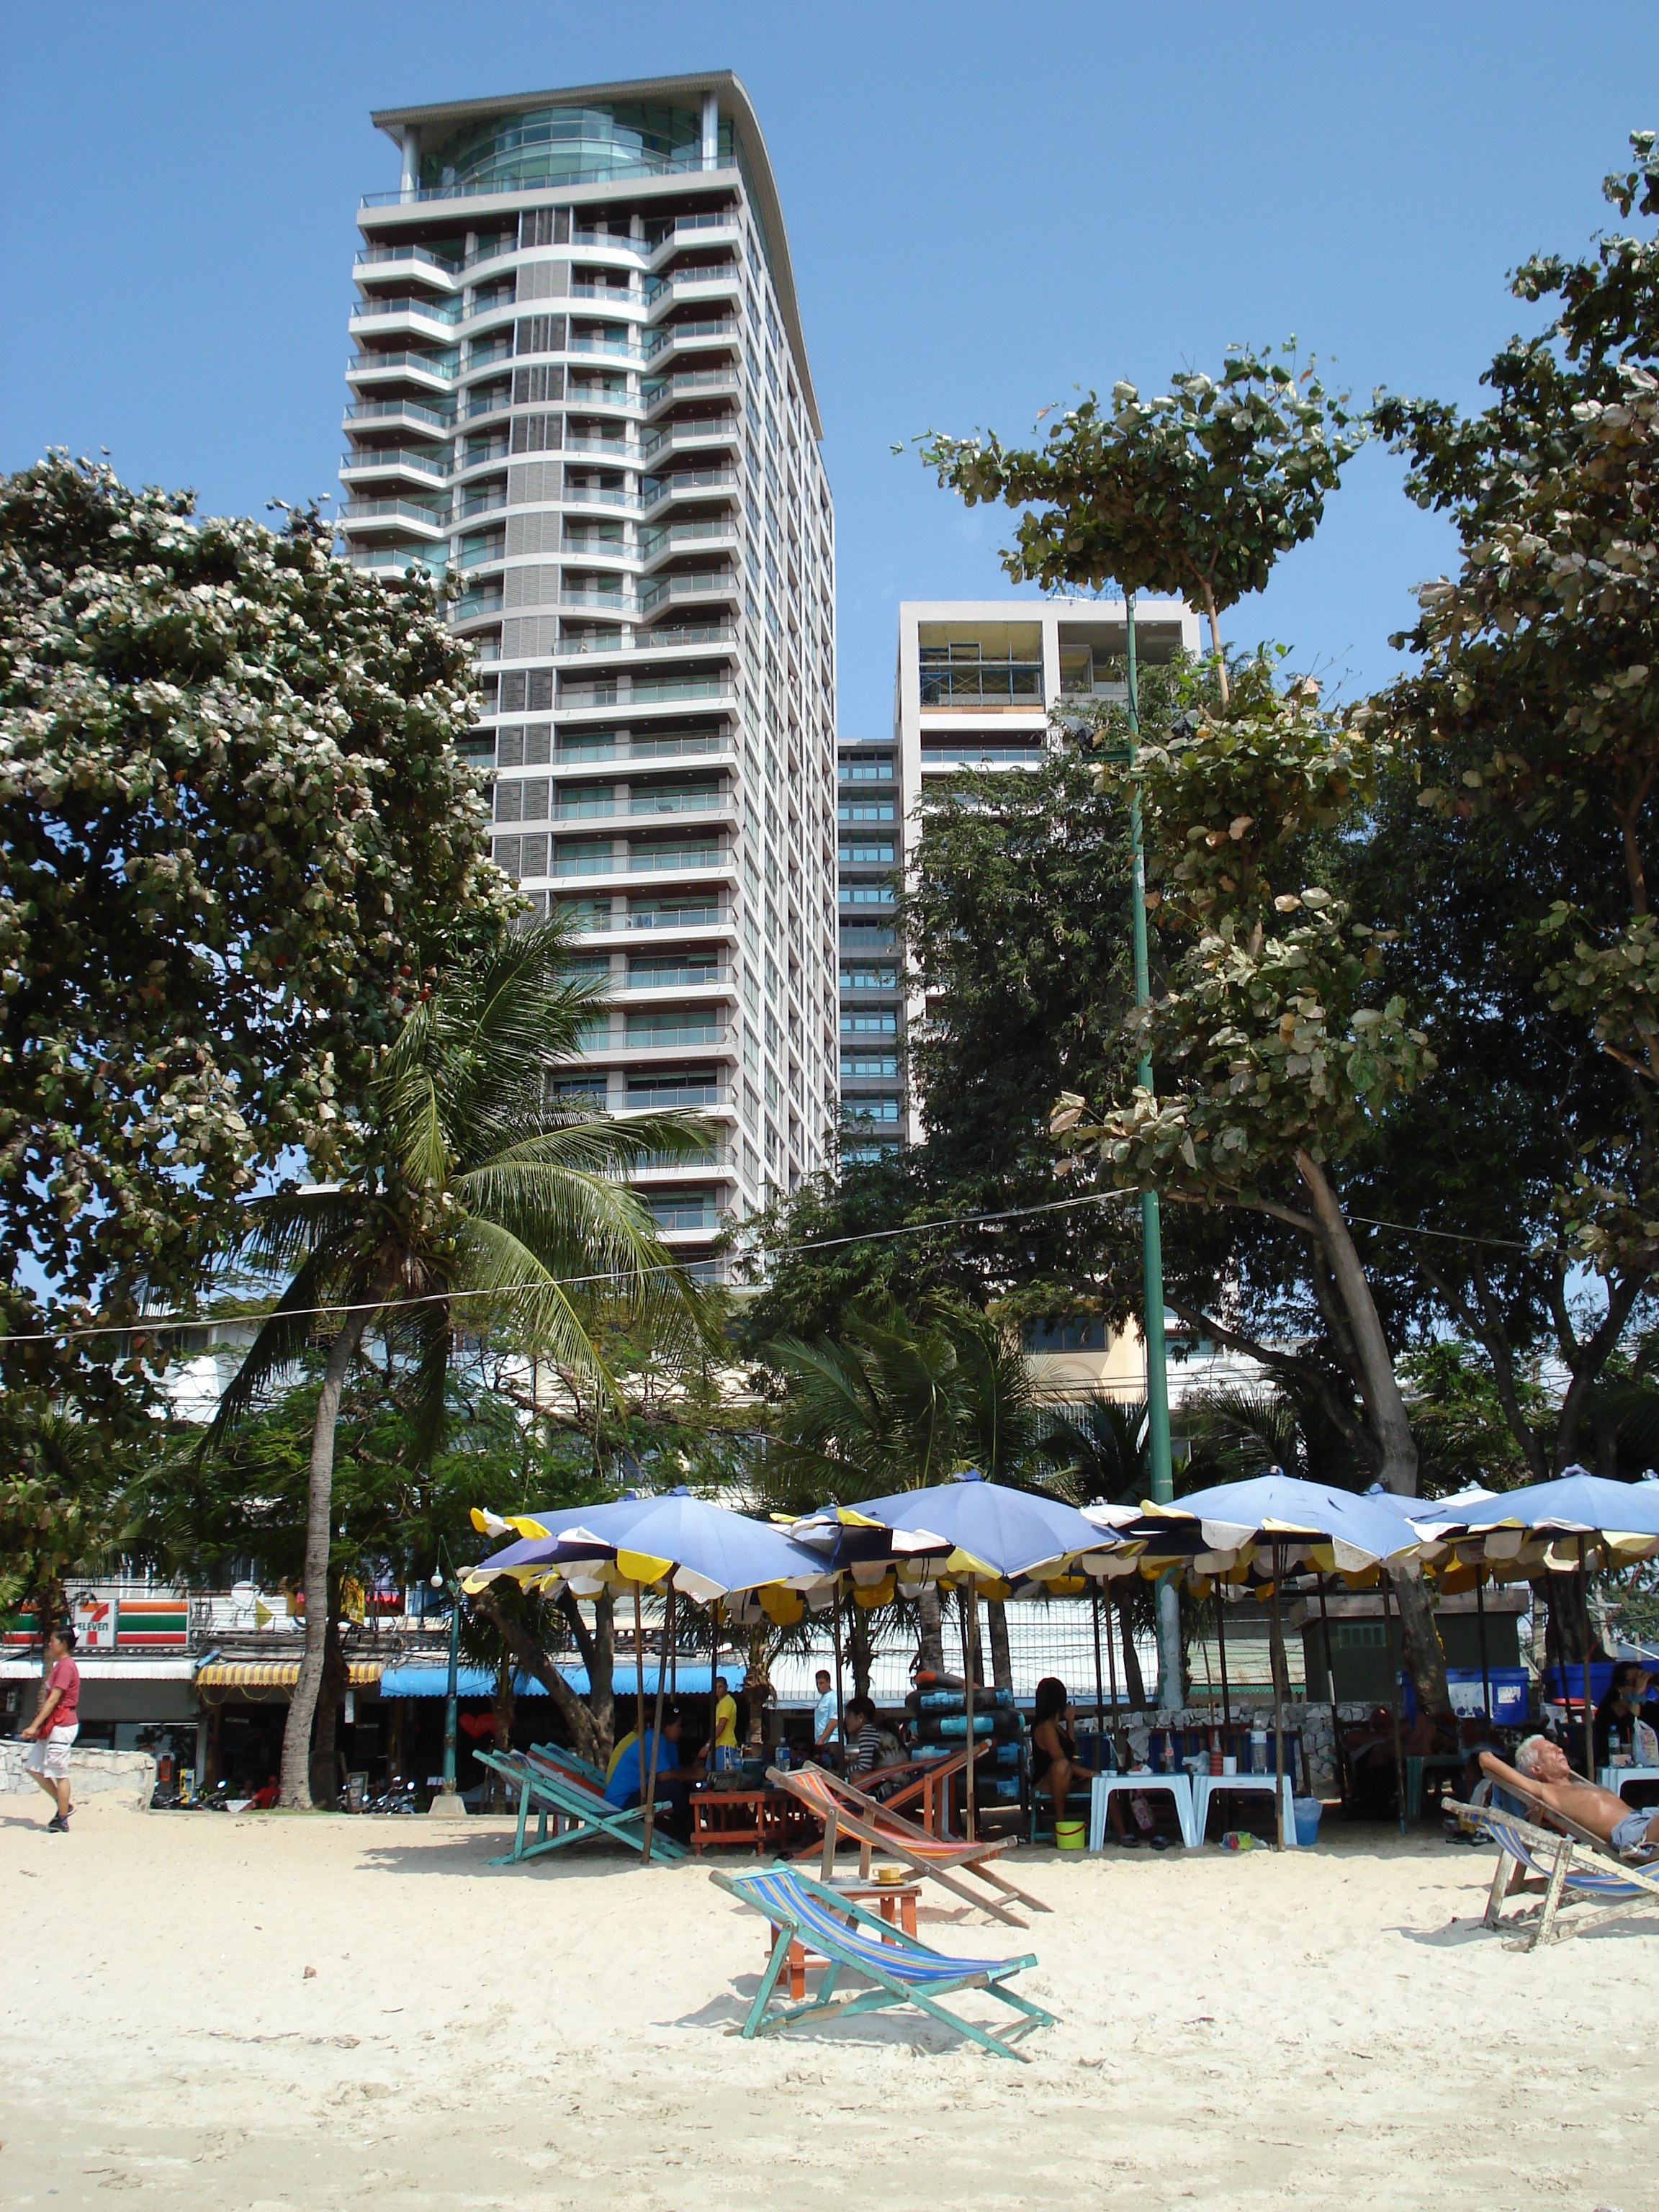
x=377, y=257
x=435, y=311
x=724, y=427
x=372, y=410
x=687, y=482
x=552, y=179
x=695, y=975
x=692, y=334
x=373, y=510
x=657, y=860
x=423, y=364
x=393, y=457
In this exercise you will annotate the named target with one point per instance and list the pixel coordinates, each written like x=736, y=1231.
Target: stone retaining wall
x=131, y=1774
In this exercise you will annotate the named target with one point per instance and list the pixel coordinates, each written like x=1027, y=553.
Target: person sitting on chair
x=1054, y=1764
x=1545, y=1775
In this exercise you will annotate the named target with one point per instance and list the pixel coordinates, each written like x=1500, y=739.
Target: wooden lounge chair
x=1569, y=1864
x=586, y=1812
x=903, y=1970
x=877, y=1827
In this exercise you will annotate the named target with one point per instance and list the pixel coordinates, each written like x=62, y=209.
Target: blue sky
x=987, y=205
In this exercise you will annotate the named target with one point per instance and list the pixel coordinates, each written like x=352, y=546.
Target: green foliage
x=1463, y=1431
x=1274, y=1035
x=233, y=824
x=1196, y=492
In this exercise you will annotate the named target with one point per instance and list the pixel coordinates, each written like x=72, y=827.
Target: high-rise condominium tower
x=580, y=382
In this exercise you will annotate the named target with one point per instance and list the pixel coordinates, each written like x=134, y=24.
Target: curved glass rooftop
x=545, y=145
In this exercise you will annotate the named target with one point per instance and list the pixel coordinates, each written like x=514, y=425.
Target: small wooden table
x=767, y=1819
x=895, y=1900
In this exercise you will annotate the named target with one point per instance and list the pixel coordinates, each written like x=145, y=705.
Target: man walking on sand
x=56, y=1726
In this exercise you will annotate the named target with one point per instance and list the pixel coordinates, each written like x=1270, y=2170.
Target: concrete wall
x=129, y=1774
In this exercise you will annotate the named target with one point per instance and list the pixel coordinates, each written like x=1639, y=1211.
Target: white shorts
x=49, y=1753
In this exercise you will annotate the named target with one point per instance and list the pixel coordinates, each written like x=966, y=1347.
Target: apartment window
x=538, y=434
x=869, y=767
x=544, y=226
x=859, y=1109
x=864, y=810
x=869, y=1067
x=879, y=1021
x=869, y=979
x=541, y=334
x=866, y=895
x=866, y=856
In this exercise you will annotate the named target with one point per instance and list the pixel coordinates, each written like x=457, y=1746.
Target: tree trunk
x=1134, y=1683
x=1002, y=1664
x=1215, y=641
x=930, y=1643
x=324, y=1727
x=858, y=1645
x=506, y=1704
x=973, y=1656
x=295, y=1789
x=1391, y=1428
x=528, y=1657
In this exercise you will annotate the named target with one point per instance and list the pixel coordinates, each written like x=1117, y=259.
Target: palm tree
x=474, y=1185
x=896, y=1405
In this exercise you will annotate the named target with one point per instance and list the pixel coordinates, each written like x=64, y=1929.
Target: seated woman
x=1054, y=1765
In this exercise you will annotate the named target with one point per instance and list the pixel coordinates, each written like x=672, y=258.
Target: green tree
x=474, y=1195
x=232, y=817
x=1534, y=718
x=1196, y=492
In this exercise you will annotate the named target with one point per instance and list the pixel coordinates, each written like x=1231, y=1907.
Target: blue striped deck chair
x=584, y=1813
x=904, y=1970
x=1570, y=1866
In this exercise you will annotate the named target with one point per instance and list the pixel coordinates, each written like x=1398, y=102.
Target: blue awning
x=428, y=1681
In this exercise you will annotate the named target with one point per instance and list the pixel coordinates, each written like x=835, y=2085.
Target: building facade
x=580, y=384
x=975, y=685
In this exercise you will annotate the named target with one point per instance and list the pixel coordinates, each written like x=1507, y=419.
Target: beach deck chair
x=875, y=1828
x=905, y=1971
x=1568, y=1864
x=585, y=1814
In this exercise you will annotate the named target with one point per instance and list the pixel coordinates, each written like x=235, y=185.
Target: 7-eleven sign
x=95, y=1623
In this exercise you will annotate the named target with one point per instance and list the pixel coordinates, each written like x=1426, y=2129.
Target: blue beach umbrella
x=994, y=1534
x=1220, y=1528
x=707, y=1550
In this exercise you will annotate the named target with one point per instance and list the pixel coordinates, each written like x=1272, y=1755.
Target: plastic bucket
x=1308, y=1810
x=1069, y=1835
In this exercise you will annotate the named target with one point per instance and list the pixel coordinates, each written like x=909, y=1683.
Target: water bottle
x=783, y=1755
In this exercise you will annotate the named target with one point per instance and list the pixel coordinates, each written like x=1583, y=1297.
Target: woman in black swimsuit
x=1053, y=1754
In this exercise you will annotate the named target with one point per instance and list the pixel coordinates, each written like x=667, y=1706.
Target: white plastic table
x=1205, y=1785
x=1615, y=1778
x=1180, y=1787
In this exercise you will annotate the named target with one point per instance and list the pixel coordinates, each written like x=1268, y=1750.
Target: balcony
x=385, y=256
x=478, y=404
x=674, y=1033
x=688, y=483
x=608, y=241
x=689, y=384
x=481, y=502
x=394, y=559
x=974, y=684
x=610, y=348
x=617, y=605
x=439, y=419
x=602, y=752
x=695, y=1090
x=681, y=976
x=421, y=314
x=701, y=585
x=696, y=434
x=479, y=602
x=392, y=460
x=480, y=355
x=480, y=452
x=437, y=370
x=685, y=858
x=551, y=174
x=678, y=914
x=618, y=452
x=715, y=533
x=358, y=513
x=576, y=496
x=650, y=694
x=691, y=337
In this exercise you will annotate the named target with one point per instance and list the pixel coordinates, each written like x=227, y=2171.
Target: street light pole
x=1151, y=1238
x=446, y=1805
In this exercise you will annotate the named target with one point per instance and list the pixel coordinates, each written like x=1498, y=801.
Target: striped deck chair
x=1569, y=1865
x=586, y=1815
x=568, y=1762
x=903, y=1970
x=875, y=1828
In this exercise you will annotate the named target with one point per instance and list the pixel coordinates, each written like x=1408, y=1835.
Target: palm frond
x=284, y=1335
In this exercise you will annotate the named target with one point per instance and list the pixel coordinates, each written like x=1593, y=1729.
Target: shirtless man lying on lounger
x=1545, y=1774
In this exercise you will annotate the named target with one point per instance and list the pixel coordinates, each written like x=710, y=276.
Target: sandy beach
x=1331, y=2028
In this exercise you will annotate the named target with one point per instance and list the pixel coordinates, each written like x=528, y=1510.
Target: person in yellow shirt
x=726, y=1721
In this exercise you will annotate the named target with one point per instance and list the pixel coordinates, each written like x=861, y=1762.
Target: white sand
x=1326, y=2028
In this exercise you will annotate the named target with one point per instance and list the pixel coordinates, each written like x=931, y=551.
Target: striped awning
x=275, y=1674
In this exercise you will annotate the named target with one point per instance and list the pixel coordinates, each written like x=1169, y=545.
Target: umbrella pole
x=970, y=1596
x=1393, y=1702
x=1583, y=1603
x=840, y=1723
x=1480, y=1630
x=639, y=1687
x=1330, y=1683
x=656, y=1723
x=1221, y=1654
x=1111, y=1660
x=1277, y=1664
x=1100, y=1709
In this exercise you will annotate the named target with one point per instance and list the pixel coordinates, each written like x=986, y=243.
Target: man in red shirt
x=56, y=1725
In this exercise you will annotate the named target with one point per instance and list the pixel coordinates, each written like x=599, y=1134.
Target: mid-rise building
x=580, y=384
x=977, y=683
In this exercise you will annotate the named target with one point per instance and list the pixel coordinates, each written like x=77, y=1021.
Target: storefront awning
x=140, y=1667
x=275, y=1674
x=429, y=1681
